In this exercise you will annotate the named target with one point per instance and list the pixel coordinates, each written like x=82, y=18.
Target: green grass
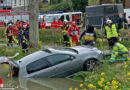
x=116, y=71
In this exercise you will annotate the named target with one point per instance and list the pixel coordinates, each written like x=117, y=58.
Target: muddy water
x=35, y=84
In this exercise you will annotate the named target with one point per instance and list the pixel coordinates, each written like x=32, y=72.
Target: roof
x=101, y=5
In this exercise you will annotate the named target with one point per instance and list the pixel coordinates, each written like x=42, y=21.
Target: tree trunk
x=33, y=19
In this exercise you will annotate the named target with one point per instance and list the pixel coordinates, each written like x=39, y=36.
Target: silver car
x=56, y=63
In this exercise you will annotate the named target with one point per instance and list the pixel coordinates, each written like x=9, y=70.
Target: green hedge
x=2, y=33
x=51, y=36
x=54, y=37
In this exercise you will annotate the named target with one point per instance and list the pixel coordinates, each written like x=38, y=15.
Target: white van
x=70, y=16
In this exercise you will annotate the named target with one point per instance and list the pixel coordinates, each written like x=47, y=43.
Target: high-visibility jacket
x=60, y=24
x=54, y=24
x=119, y=48
x=73, y=31
x=15, y=30
x=9, y=31
x=111, y=32
x=43, y=25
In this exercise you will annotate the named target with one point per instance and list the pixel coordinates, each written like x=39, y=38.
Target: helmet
x=109, y=21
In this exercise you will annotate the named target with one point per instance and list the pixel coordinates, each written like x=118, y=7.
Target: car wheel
x=90, y=64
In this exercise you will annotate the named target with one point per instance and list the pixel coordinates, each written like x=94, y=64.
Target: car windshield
x=69, y=49
x=49, y=19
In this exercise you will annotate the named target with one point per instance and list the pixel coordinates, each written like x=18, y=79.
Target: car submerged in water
x=55, y=63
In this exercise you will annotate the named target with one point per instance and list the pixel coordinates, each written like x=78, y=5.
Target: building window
x=19, y=2
x=15, y=2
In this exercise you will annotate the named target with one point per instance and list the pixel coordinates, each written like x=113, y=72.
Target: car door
x=39, y=69
x=64, y=65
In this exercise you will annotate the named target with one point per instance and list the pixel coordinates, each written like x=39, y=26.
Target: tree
x=33, y=19
x=79, y=5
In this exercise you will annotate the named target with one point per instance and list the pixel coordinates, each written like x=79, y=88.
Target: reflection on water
x=37, y=83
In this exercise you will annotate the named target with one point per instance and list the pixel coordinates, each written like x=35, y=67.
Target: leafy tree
x=79, y=5
x=55, y=1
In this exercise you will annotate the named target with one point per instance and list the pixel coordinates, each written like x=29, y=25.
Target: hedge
x=54, y=37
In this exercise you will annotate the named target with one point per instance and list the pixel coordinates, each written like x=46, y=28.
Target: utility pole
x=33, y=19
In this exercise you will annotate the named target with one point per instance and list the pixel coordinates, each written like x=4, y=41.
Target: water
x=35, y=84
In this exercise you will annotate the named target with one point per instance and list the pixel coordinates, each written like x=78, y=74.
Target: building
x=14, y=4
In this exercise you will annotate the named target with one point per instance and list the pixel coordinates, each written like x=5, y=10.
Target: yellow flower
x=128, y=73
x=128, y=58
x=102, y=73
x=106, y=88
x=125, y=65
x=119, y=89
x=81, y=85
x=108, y=83
x=91, y=86
x=128, y=78
x=84, y=89
x=114, y=82
x=76, y=89
x=99, y=89
x=70, y=88
x=100, y=83
x=102, y=79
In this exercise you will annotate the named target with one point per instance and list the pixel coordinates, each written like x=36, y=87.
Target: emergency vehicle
x=70, y=16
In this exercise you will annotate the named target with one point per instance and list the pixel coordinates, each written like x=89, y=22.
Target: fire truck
x=69, y=16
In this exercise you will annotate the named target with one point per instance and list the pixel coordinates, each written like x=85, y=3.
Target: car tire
x=90, y=64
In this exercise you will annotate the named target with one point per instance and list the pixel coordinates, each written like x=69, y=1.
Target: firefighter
x=24, y=40
x=73, y=32
x=54, y=24
x=89, y=36
x=60, y=24
x=27, y=28
x=105, y=23
x=66, y=39
x=15, y=33
x=43, y=25
x=111, y=32
x=19, y=33
x=121, y=22
x=2, y=24
x=119, y=50
x=9, y=34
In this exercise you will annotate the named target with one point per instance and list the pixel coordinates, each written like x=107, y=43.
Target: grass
x=117, y=72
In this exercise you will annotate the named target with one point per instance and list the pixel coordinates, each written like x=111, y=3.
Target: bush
x=64, y=6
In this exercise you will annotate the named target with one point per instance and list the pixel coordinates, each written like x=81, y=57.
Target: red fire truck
x=70, y=16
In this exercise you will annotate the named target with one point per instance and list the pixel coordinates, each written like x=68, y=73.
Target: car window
x=62, y=18
x=67, y=18
x=37, y=65
x=57, y=59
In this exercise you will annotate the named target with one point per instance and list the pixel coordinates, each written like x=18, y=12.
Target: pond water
x=35, y=84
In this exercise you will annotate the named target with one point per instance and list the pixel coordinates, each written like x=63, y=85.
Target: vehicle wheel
x=90, y=64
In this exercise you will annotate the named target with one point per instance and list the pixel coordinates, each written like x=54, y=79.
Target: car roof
x=41, y=54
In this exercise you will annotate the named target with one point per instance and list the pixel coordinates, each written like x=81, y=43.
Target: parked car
x=56, y=63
